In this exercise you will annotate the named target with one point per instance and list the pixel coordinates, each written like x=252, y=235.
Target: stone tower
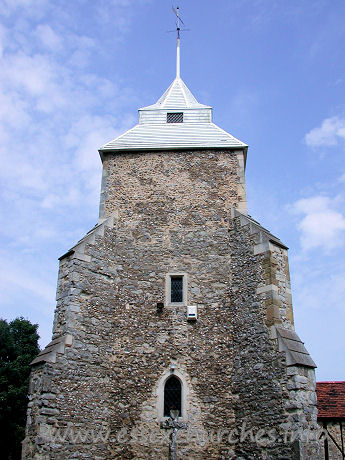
x=176, y=299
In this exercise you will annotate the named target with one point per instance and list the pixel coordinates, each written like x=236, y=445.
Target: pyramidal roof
x=176, y=121
x=177, y=96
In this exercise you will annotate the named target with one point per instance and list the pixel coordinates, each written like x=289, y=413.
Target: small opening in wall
x=176, y=289
x=176, y=294
x=175, y=117
x=172, y=396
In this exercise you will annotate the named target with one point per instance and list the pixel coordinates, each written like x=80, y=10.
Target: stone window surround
x=168, y=277
x=184, y=394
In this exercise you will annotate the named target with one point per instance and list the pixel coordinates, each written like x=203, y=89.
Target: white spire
x=177, y=96
x=194, y=130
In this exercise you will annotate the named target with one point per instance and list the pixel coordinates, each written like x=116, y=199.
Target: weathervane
x=177, y=13
x=178, y=29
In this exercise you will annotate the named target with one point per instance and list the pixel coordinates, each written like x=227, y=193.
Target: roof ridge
x=168, y=92
x=332, y=381
x=225, y=132
x=126, y=132
x=183, y=92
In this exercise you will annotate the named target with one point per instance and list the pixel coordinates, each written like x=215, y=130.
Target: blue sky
x=72, y=76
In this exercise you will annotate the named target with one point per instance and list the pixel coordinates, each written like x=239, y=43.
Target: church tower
x=174, y=312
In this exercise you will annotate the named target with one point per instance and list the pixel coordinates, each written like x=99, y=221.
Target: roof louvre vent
x=175, y=117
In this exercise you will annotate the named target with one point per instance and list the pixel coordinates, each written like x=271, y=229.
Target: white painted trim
x=168, y=277
x=184, y=394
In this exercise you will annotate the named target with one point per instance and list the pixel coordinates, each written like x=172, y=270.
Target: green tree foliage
x=18, y=347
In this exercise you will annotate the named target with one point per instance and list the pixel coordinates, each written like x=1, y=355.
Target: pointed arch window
x=172, y=396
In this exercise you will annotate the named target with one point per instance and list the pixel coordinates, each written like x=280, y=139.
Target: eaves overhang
x=104, y=152
x=177, y=109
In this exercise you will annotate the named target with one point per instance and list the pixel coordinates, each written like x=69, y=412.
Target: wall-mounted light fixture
x=160, y=306
x=192, y=313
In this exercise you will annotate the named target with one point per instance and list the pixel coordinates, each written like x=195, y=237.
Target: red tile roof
x=330, y=399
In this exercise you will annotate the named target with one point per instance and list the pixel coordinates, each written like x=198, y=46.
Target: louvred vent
x=175, y=117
